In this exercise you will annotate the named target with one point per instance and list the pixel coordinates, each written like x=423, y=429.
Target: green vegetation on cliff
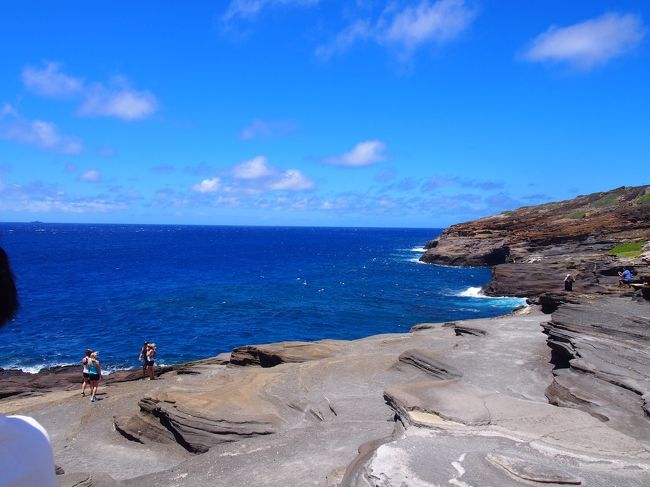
x=629, y=249
x=578, y=214
x=644, y=199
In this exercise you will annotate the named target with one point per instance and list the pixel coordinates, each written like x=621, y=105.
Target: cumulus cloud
x=255, y=176
x=207, y=186
x=50, y=80
x=41, y=133
x=114, y=99
x=406, y=27
x=589, y=43
x=91, y=176
x=247, y=9
x=363, y=154
x=255, y=168
x=266, y=129
x=292, y=180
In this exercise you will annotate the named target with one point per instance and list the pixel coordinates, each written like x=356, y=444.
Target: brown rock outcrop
x=532, y=248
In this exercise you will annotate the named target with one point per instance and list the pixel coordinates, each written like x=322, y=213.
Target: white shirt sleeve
x=26, y=458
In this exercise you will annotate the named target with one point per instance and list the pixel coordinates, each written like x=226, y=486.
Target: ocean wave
x=472, y=292
x=416, y=260
x=35, y=369
x=418, y=249
x=475, y=292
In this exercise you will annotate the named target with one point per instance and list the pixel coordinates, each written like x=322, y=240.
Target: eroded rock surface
x=601, y=348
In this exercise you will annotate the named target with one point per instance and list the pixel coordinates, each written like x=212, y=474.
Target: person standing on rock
x=151, y=355
x=568, y=282
x=26, y=457
x=143, y=358
x=94, y=373
x=86, y=376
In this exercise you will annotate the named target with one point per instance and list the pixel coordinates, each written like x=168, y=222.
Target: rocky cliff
x=531, y=249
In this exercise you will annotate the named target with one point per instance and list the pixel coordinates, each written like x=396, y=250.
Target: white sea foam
x=416, y=260
x=475, y=292
x=35, y=369
x=418, y=249
x=472, y=292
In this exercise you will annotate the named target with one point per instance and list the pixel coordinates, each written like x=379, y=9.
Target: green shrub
x=644, y=198
x=629, y=249
x=609, y=199
x=605, y=201
x=578, y=214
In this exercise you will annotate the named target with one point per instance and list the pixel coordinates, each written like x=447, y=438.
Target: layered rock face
x=533, y=248
x=601, y=350
x=460, y=403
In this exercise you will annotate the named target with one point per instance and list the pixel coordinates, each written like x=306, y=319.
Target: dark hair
x=8, y=293
x=88, y=352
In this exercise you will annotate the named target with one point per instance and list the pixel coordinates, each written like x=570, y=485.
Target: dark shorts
x=86, y=375
x=149, y=363
x=93, y=377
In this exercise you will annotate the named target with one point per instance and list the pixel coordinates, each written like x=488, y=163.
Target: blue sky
x=308, y=112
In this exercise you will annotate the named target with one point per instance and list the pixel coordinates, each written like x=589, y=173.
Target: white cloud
x=358, y=30
x=40, y=133
x=115, y=99
x=406, y=28
x=38, y=197
x=363, y=154
x=292, y=180
x=253, y=177
x=267, y=128
x=247, y=9
x=256, y=168
x=589, y=43
x=91, y=176
x=122, y=102
x=207, y=186
x=50, y=81
x=439, y=21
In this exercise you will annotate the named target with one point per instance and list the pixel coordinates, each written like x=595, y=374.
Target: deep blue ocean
x=201, y=290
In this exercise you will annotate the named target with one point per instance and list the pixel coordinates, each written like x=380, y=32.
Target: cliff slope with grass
x=531, y=249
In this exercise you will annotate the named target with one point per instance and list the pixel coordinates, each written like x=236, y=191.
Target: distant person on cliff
x=94, y=373
x=143, y=358
x=625, y=278
x=151, y=355
x=568, y=282
x=25, y=453
x=86, y=376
